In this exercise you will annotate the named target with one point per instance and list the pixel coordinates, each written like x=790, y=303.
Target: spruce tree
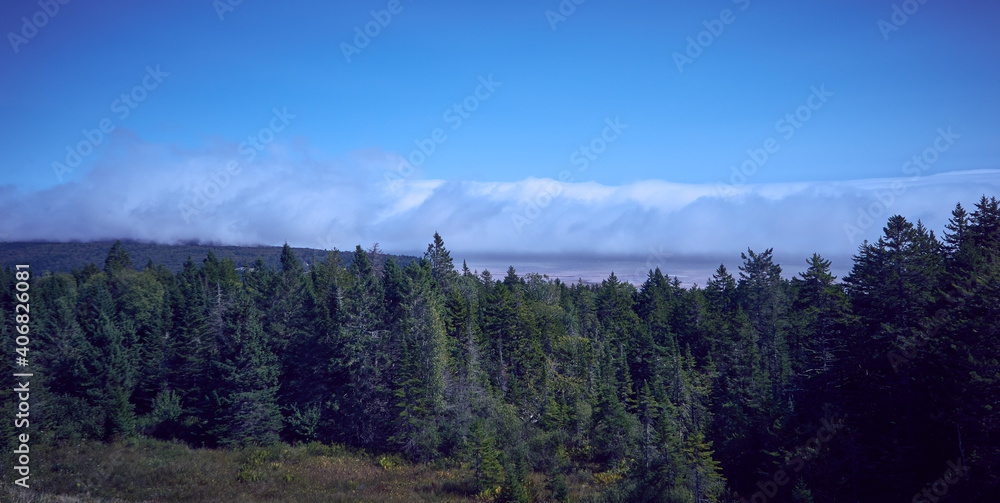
x=486, y=459
x=823, y=321
x=442, y=265
x=187, y=350
x=365, y=357
x=117, y=260
x=249, y=378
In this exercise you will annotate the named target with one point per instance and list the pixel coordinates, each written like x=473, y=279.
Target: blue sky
x=888, y=92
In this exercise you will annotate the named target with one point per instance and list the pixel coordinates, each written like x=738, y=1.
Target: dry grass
x=150, y=471
x=153, y=471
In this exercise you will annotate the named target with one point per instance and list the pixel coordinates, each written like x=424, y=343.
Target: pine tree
x=465, y=387
x=367, y=399
x=442, y=266
x=486, y=461
x=678, y=391
x=187, y=350
x=618, y=331
x=702, y=478
x=515, y=484
x=249, y=378
x=115, y=369
x=219, y=276
x=71, y=361
x=763, y=296
x=117, y=260
x=891, y=288
x=141, y=300
x=742, y=406
x=823, y=323
x=616, y=434
x=954, y=367
x=958, y=233
x=427, y=344
x=720, y=292
x=329, y=280
x=498, y=332
x=649, y=414
x=8, y=344
x=655, y=307
x=984, y=228
x=287, y=320
x=408, y=391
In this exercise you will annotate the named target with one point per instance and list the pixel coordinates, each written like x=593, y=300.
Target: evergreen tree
x=442, y=266
x=677, y=393
x=891, y=289
x=289, y=323
x=141, y=301
x=957, y=236
x=515, y=484
x=220, y=276
x=367, y=399
x=823, y=323
x=187, y=352
x=117, y=260
x=329, y=280
x=114, y=371
x=489, y=471
x=762, y=295
x=249, y=378
x=499, y=324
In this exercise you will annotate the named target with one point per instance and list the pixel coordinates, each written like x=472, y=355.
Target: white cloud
x=138, y=191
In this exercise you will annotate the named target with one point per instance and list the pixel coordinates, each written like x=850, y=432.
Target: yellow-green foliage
x=390, y=461
x=250, y=470
x=488, y=494
x=618, y=472
x=607, y=478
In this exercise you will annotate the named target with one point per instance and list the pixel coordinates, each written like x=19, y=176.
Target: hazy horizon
x=607, y=131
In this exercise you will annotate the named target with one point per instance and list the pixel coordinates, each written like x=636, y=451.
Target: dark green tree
x=117, y=260
x=248, y=373
x=442, y=265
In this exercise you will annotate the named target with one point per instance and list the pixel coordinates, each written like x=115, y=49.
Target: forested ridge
x=869, y=388
x=64, y=257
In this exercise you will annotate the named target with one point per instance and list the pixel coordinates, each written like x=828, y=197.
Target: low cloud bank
x=168, y=194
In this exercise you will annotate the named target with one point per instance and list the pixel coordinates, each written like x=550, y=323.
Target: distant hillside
x=64, y=257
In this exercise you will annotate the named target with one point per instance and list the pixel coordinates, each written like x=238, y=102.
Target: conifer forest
x=770, y=383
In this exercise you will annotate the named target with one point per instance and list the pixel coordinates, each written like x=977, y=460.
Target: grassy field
x=153, y=471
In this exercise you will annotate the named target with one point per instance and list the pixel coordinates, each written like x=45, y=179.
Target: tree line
x=754, y=387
